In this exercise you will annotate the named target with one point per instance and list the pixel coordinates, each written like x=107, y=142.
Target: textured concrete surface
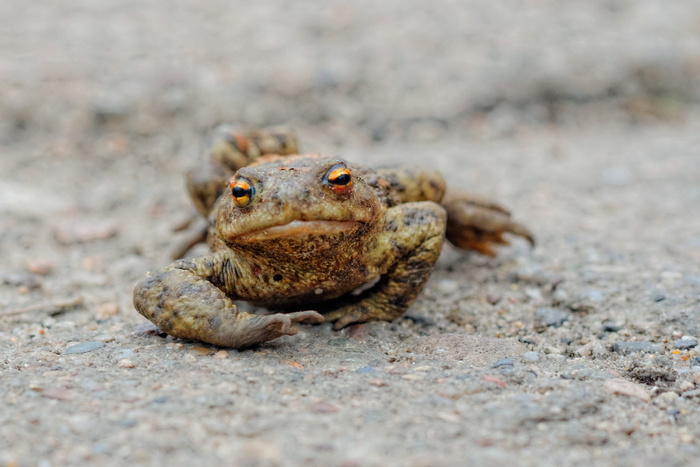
x=582, y=117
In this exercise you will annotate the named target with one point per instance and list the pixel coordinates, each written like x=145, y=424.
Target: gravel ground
x=581, y=116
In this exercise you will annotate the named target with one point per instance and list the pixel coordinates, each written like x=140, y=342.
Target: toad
x=341, y=242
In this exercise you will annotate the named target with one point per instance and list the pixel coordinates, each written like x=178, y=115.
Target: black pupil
x=342, y=179
x=239, y=192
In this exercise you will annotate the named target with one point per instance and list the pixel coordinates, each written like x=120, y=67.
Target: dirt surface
x=581, y=116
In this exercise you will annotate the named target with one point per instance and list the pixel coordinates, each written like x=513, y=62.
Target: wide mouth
x=299, y=229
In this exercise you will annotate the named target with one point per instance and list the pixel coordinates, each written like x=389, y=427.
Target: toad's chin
x=299, y=229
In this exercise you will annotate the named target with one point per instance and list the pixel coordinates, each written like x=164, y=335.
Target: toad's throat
x=299, y=229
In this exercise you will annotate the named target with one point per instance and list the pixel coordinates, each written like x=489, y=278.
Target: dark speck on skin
x=214, y=321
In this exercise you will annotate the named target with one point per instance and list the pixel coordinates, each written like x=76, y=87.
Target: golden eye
x=339, y=177
x=242, y=191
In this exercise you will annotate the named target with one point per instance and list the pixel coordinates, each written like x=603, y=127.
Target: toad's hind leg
x=183, y=301
x=414, y=236
x=475, y=223
x=232, y=149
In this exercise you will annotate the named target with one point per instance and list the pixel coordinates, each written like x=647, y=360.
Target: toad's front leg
x=184, y=301
x=411, y=244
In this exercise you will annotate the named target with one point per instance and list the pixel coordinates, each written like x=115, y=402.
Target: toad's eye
x=339, y=178
x=242, y=191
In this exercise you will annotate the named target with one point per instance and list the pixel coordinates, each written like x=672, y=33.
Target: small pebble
x=106, y=310
x=531, y=356
x=533, y=274
x=112, y=107
x=227, y=387
x=322, y=407
x=413, y=377
x=83, y=347
x=560, y=296
x=221, y=354
x=685, y=343
x=449, y=391
x=58, y=393
x=201, y=350
x=587, y=300
x=673, y=414
x=592, y=294
x=623, y=387
x=21, y=279
x=635, y=346
x=493, y=298
x=448, y=286
x=366, y=370
x=506, y=370
x=551, y=317
x=494, y=379
x=41, y=266
x=449, y=417
x=503, y=362
x=685, y=386
x=376, y=382
x=592, y=349
x=665, y=399
x=533, y=293
x=609, y=327
x=126, y=363
x=122, y=354
x=37, y=387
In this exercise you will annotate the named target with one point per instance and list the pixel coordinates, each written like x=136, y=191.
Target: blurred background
x=397, y=69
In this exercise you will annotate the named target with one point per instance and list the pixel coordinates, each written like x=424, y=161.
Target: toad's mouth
x=299, y=229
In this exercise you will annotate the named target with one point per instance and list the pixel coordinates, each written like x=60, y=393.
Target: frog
x=311, y=238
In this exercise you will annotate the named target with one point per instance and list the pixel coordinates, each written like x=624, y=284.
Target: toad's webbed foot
x=282, y=324
x=359, y=313
x=475, y=223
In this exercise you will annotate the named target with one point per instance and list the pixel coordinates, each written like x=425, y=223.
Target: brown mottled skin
x=307, y=238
